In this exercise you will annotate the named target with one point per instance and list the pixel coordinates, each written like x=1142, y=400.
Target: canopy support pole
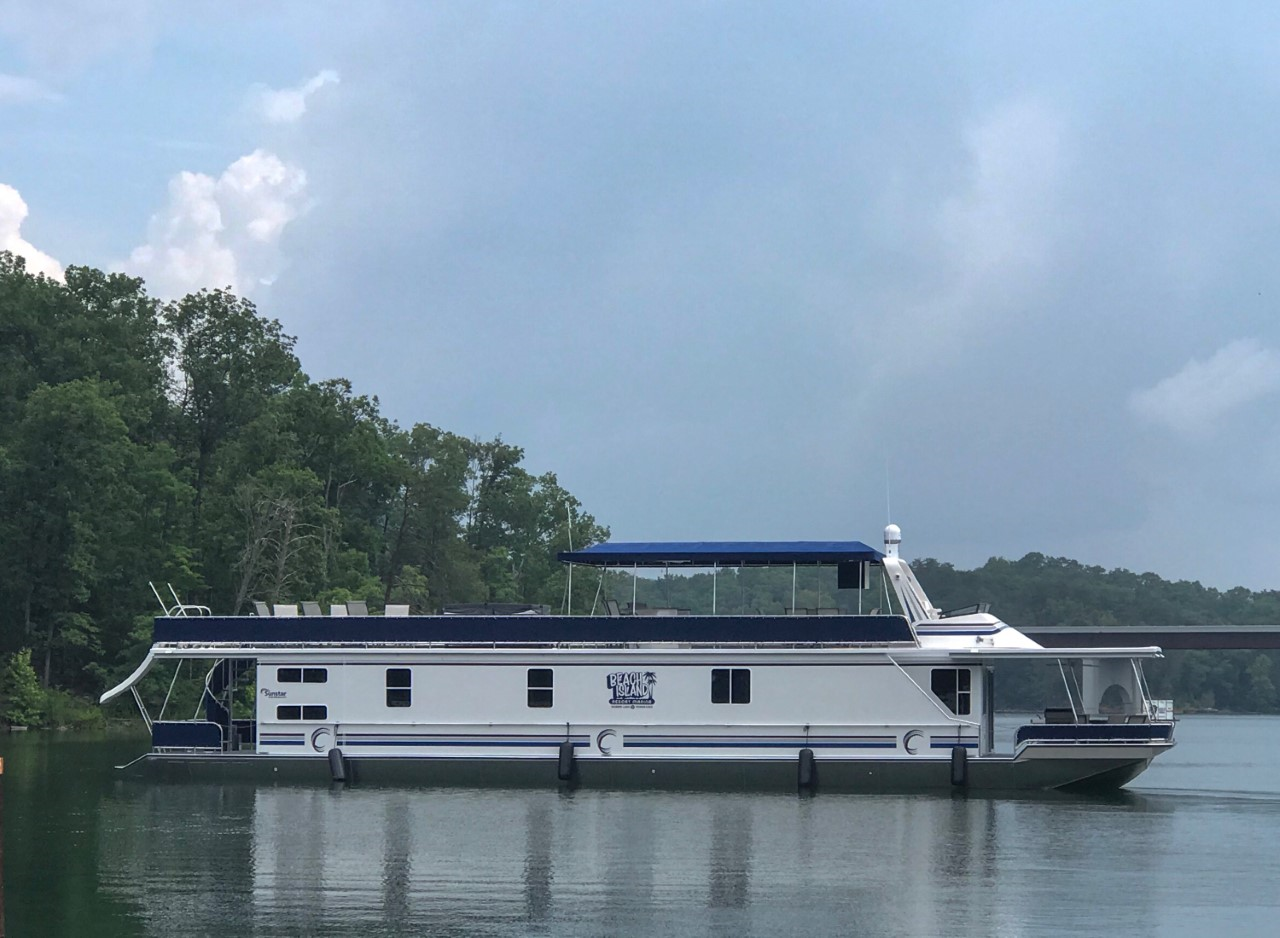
x=714, y=570
x=793, y=588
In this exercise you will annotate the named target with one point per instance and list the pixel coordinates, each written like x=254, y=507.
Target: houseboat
x=899, y=698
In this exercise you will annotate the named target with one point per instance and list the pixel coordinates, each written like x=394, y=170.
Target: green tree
x=20, y=694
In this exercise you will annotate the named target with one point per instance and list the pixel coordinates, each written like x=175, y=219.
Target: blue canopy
x=720, y=553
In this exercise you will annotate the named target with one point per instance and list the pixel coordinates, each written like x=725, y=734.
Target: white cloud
x=222, y=232
x=999, y=224
x=993, y=237
x=13, y=211
x=1190, y=401
x=61, y=39
x=16, y=89
x=286, y=105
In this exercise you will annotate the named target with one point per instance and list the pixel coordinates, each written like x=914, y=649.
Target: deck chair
x=392, y=609
x=286, y=610
x=310, y=608
x=338, y=609
x=611, y=608
x=260, y=608
x=357, y=607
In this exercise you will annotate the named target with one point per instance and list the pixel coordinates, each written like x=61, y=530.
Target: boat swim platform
x=1168, y=637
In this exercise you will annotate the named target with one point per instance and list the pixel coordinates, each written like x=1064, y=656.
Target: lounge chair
x=260, y=608
x=357, y=607
x=338, y=609
x=394, y=609
x=311, y=608
x=286, y=610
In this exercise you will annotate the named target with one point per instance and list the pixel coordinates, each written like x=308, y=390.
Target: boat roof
x=532, y=630
x=720, y=553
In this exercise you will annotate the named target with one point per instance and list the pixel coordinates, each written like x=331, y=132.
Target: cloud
x=222, y=232
x=992, y=237
x=62, y=39
x=15, y=89
x=1190, y=401
x=997, y=225
x=13, y=211
x=288, y=104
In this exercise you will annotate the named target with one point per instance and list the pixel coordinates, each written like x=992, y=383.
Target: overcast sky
x=731, y=270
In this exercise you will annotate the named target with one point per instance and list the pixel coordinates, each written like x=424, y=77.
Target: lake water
x=1192, y=847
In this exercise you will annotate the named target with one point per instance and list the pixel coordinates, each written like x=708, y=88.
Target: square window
x=399, y=687
x=541, y=683
x=288, y=713
x=731, y=685
x=289, y=675
x=315, y=713
x=719, y=685
x=315, y=675
x=953, y=686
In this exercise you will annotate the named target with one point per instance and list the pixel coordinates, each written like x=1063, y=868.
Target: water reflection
x=538, y=875
x=293, y=861
x=729, y=855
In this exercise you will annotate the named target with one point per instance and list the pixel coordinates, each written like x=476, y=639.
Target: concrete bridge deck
x=1168, y=637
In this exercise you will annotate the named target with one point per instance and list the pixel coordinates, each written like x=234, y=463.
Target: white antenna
x=888, y=503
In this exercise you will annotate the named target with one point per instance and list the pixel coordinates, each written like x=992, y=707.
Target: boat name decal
x=631, y=688
x=274, y=693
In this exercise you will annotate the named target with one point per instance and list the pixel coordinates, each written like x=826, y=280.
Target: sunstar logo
x=631, y=688
x=274, y=693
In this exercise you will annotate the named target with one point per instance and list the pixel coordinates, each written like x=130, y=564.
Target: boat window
x=541, y=684
x=953, y=687
x=314, y=712
x=399, y=687
x=731, y=685
x=302, y=675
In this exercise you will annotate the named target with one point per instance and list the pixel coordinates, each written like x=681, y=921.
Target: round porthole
x=605, y=741
x=913, y=741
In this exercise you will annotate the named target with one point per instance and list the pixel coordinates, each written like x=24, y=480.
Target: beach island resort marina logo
x=631, y=688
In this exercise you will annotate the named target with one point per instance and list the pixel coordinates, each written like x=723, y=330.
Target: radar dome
x=892, y=538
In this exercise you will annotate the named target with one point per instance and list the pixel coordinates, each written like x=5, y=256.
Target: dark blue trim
x=481, y=741
x=759, y=742
x=1094, y=733
x=186, y=734
x=532, y=630
x=720, y=553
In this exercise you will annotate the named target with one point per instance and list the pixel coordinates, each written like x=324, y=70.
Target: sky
x=1002, y=273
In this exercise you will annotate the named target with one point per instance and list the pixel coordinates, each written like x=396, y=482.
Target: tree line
x=181, y=442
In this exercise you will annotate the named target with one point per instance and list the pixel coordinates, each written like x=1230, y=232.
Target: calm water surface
x=1192, y=847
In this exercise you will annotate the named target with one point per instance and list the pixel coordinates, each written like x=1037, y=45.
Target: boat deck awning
x=720, y=553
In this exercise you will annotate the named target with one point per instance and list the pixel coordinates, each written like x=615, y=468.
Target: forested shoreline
x=182, y=442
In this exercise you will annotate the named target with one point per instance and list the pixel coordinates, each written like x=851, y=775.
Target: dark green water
x=1192, y=848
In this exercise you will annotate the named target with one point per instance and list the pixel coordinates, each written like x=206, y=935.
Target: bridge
x=1168, y=637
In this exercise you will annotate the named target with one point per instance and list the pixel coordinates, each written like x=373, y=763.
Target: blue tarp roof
x=720, y=553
